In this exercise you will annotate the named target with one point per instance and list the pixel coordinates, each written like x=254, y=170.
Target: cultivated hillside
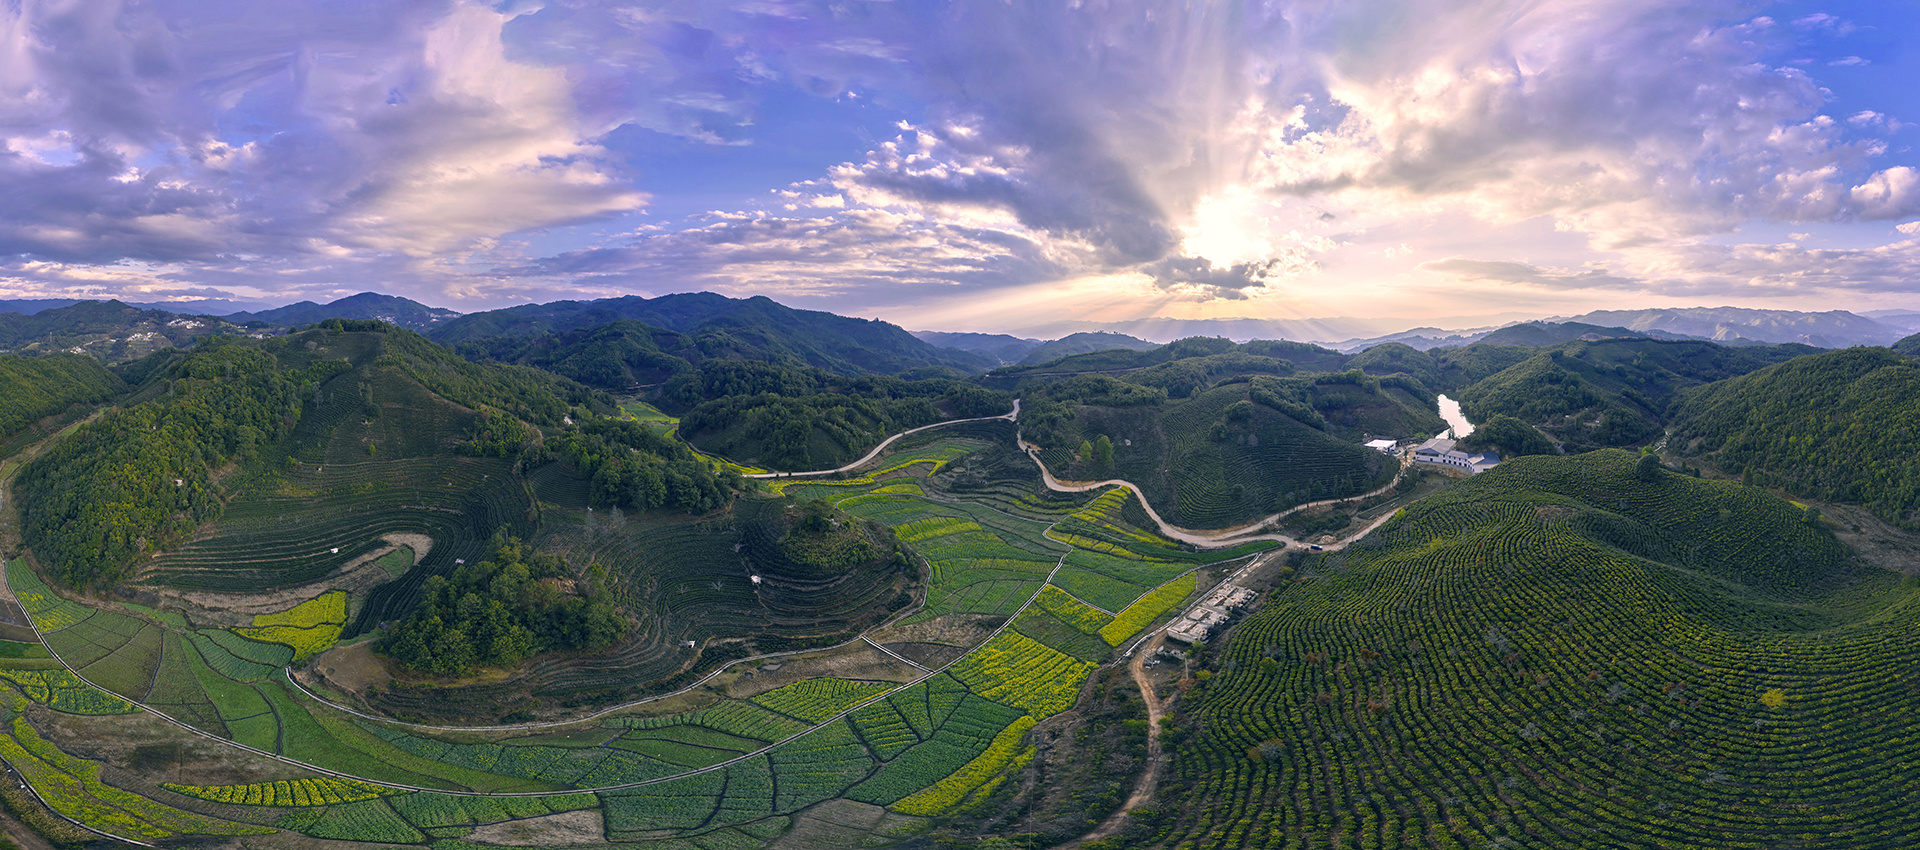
x=1561, y=653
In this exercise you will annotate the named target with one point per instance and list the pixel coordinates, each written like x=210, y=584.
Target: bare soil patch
x=960, y=630
x=935, y=655
x=144, y=746
x=581, y=827
x=858, y=661
x=1877, y=542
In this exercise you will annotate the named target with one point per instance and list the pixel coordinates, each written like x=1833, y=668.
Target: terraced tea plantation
x=1022, y=598
x=1561, y=654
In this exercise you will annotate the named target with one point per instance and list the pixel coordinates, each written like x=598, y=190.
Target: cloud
x=856, y=257
x=1113, y=125
x=1502, y=271
x=1893, y=193
x=1220, y=151
x=194, y=130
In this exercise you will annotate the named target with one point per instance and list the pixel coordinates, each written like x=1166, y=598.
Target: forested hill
x=1613, y=392
x=33, y=388
x=1838, y=425
x=804, y=337
x=1082, y=343
x=801, y=419
x=235, y=413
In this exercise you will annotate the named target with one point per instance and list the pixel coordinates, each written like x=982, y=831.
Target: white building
x=1213, y=612
x=1440, y=450
x=1384, y=446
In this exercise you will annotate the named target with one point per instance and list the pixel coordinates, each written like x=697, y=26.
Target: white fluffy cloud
x=1227, y=152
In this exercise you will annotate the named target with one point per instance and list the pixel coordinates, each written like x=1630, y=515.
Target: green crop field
x=1561, y=654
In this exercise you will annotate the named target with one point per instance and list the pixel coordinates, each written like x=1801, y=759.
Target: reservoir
x=1456, y=421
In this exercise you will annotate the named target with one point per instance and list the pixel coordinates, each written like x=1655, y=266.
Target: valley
x=396, y=596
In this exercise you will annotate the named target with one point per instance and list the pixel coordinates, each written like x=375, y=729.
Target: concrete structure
x=1384, y=446
x=1213, y=612
x=1441, y=451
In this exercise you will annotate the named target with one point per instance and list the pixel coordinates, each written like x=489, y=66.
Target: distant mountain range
x=1831, y=329
x=1725, y=325
x=846, y=345
x=760, y=325
x=393, y=310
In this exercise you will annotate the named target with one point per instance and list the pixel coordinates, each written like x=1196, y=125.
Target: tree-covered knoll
x=140, y=479
x=33, y=388
x=1082, y=343
x=829, y=542
x=614, y=356
x=1296, y=355
x=502, y=610
x=1387, y=358
x=1612, y=392
x=536, y=396
x=806, y=418
x=1509, y=436
x=633, y=467
x=1839, y=425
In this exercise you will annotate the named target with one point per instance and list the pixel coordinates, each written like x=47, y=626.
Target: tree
x=503, y=610
x=1103, y=452
x=1648, y=468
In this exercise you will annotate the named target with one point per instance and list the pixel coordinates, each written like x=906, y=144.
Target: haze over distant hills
x=708, y=312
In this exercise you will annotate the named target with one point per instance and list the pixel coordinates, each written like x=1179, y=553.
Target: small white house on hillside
x=1440, y=450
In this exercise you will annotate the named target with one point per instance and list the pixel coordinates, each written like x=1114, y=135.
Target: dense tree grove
x=1837, y=425
x=503, y=610
x=636, y=468
x=32, y=388
x=141, y=478
x=1509, y=436
x=495, y=434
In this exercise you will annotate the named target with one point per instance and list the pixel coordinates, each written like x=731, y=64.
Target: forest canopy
x=501, y=611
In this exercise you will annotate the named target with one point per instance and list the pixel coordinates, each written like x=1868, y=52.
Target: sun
x=1228, y=227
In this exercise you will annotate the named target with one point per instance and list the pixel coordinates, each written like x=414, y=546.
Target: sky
x=982, y=165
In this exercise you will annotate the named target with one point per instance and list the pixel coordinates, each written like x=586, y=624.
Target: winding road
x=1008, y=417
x=1137, y=654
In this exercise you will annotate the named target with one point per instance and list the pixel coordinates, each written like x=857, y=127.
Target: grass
x=1148, y=608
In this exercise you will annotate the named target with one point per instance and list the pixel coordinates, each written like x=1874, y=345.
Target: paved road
x=1008, y=417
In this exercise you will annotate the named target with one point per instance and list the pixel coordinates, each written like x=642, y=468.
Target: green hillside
x=757, y=328
x=1217, y=459
x=797, y=419
x=1083, y=343
x=237, y=414
x=1909, y=346
x=1558, y=654
x=34, y=388
x=1612, y=392
x=1837, y=426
